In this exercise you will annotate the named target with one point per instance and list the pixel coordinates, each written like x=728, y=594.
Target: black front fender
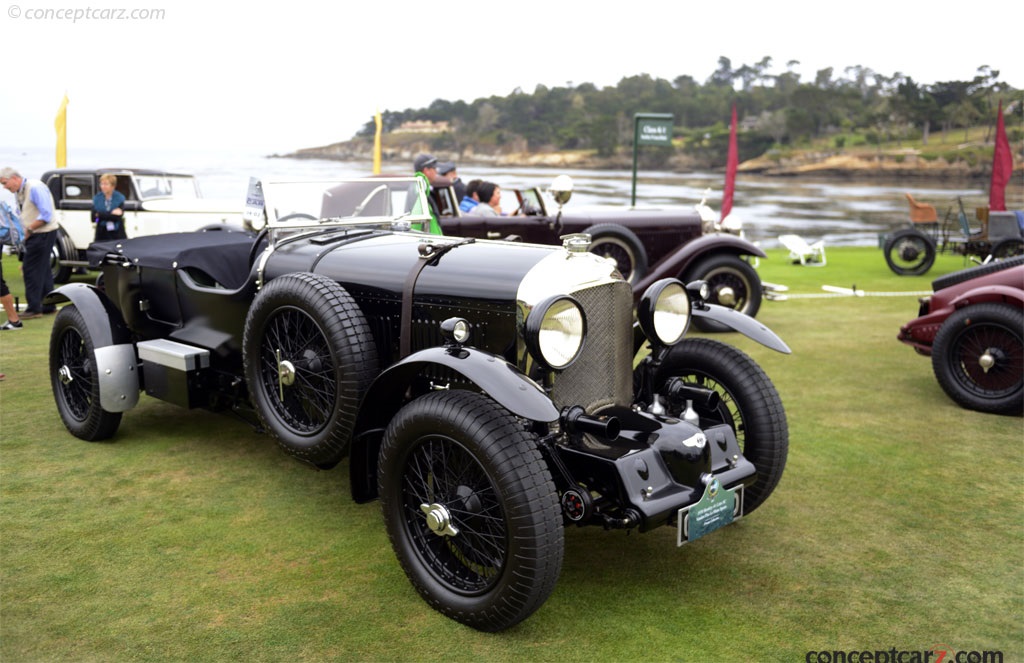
x=497, y=378
x=494, y=376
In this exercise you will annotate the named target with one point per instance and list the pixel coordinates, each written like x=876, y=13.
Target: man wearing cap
x=425, y=166
x=447, y=169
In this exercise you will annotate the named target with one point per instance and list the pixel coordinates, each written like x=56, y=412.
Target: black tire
x=76, y=387
x=309, y=358
x=621, y=245
x=476, y=468
x=63, y=250
x=734, y=283
x=978, y=358
x=1008, y=248
x=749, y=403
x=909, y=252
x=954, y=278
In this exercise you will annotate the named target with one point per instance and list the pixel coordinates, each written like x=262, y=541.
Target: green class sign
x=649, y=129
x=654, y=130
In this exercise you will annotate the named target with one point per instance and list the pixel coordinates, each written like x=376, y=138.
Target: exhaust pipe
x=576, y=421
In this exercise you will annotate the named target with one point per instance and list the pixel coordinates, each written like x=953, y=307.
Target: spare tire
x=309, y=357
x=962, y=275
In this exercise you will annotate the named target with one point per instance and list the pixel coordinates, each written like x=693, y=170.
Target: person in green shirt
x=425, y=167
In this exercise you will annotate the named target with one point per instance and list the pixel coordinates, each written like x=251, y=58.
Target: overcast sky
x=275, y=77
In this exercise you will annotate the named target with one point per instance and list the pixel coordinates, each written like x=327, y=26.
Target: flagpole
x=376, y=143
x=60, y=124
x=1002, y=166
x=731, y=165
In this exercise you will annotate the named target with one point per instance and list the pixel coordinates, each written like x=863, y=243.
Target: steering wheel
x=297, y=215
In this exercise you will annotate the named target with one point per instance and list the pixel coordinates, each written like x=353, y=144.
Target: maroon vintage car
x=973, y=329
x=647, y=244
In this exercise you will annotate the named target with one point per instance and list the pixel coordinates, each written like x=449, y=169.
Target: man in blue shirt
x=35, y=209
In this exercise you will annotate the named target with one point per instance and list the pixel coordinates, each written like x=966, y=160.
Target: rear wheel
x=733, y=284
x=621, y=245
x=1008, y=248
x=309, y=357
x=909, y=252
x=978, y=358
x=749, y=404
x=76, y=386
x=63, y=251
x=471, y=509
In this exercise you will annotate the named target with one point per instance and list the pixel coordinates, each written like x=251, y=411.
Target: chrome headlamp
x=555, y=331
x=664, y=312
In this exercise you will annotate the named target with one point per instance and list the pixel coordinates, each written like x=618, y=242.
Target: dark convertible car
x=646, y=243
x=488, y=393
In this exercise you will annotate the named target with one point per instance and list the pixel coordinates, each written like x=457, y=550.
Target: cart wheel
x=1008, y=248
x=909, y=252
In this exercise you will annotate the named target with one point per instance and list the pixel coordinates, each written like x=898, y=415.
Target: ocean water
x=843, y=213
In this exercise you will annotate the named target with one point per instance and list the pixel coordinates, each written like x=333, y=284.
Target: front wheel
x=471, y=509
x=749, y=404
x=76, y=386
x=978, y=358
x=733, y=284
x=909, y=252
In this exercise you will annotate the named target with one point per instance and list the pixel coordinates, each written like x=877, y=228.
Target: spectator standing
x=425, y=168
x=36, y=211
x=108, y=210
x=448, y=169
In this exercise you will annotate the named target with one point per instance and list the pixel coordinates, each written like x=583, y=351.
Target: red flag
x=1002, y=167
x=731, y=163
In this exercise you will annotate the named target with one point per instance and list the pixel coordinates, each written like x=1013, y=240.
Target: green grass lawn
x=899, y=524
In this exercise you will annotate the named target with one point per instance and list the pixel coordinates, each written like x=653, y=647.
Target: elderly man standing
x=35, y=209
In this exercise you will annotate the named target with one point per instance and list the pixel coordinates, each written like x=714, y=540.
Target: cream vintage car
x=156, y=202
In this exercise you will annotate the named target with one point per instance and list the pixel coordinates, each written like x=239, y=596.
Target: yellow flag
x=376, y=144
x=61, y=125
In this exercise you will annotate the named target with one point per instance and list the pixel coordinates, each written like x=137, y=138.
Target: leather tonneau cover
x=222, y=254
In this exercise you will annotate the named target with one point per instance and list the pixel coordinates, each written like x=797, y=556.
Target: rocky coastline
x=885, y=164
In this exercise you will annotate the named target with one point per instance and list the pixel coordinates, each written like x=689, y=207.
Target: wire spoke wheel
x=978, y=358
x=74, y=379
x=296, y=364
x=749, y=404
x=454, y=517
x=471, y=509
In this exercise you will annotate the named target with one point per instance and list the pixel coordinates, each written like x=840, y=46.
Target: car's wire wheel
x=750, y=404
x=73, y=378
x=309, y=357
x=978, y=358
x=732, y=282
x=471, y=509
x=621, y=245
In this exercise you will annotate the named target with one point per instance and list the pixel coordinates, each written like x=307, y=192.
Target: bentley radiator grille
x=603, y=373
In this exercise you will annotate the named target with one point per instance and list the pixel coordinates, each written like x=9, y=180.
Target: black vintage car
x=646, y=243
x=484, y=391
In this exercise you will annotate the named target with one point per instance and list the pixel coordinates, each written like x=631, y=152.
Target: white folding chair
x=802, y=252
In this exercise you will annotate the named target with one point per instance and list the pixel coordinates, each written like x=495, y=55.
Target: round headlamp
x=455, y=331
x=664, y=312
x=555, y=330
